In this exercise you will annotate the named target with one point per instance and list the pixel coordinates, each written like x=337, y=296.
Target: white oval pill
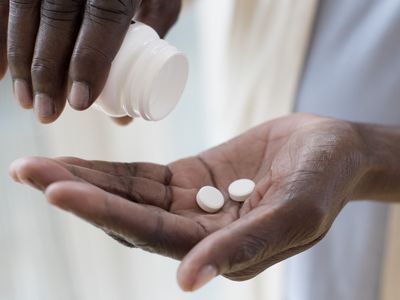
x=241, y=189
x=210, y=199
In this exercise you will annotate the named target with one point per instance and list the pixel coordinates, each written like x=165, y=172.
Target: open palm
x=300, y=164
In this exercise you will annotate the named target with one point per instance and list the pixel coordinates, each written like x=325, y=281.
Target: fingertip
x=17, y=168
x=191, y=278
x=73, y=196
x=208, y=259
x=38, y=172
x=23, y=93
x=63, y=193
x=45, y=108
x=54, y=193
x=185, y=278
x=79, y=96
x=13, y=169
x=24, y=170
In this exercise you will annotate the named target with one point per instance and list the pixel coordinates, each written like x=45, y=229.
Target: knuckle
x=128, y=168
x=18, y=9
x=167, y=198
x=110, y=11
x=88, y=64
x=53, y=11
x=43, y=67
x=88, y=56
x=129, y=190
x=23, y=4
x=16, y=52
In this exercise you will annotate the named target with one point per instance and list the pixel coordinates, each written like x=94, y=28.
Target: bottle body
x=147, y=77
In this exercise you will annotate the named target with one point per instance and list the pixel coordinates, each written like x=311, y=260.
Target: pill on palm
x=241, y=189
x=210, y=199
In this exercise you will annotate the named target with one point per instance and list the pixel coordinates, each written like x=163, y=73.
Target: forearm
x=381, y=180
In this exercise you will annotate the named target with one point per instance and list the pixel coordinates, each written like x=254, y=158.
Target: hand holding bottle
x=64, y=49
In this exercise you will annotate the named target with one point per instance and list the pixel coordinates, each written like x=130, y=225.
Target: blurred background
x=48, y=254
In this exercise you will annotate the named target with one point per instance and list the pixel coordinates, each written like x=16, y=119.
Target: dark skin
x=306, y=169
x=63, y=49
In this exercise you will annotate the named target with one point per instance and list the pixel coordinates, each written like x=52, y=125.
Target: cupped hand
x=59, y=49
x=305, y=167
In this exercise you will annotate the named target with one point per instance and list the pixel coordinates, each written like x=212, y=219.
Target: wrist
x=380, y=178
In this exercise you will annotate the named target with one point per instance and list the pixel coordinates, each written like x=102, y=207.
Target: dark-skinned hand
x=305, y=167
x=63, y=49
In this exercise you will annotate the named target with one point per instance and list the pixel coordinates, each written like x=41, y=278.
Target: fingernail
x=23, y=93
x=79, y=96
x=204, y=276
x=44, y=107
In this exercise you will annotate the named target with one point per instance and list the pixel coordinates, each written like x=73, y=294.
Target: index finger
x=151, y=171
x=149, y=228
x=104, y=26
x=3, y=36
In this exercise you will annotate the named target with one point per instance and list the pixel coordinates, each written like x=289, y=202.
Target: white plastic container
x=147, y=77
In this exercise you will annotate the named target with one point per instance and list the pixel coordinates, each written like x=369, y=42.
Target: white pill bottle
x=147, y=77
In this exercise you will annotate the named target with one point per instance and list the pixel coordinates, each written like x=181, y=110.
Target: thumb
x=161, y=15
x=271, y=232
x=227, y=250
